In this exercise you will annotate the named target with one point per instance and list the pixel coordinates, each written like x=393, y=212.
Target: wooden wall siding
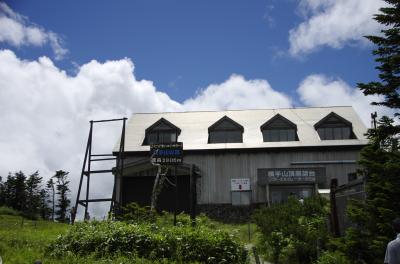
x=217, y=169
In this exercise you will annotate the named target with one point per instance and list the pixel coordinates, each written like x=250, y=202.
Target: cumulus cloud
x=238, y=93
x=45, y=111
x=320, y=90
x=17, y=30
x=334, y=23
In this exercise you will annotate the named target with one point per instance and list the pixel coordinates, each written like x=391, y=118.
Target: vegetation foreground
x=25, y=241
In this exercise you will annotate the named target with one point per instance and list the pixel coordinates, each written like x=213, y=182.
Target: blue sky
x=63, y=63
x=184, y=46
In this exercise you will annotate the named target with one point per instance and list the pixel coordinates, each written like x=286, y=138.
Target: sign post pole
x=170, y=154
x=176, y=195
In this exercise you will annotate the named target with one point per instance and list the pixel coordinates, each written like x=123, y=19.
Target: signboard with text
x=291, y=175
x=167, y=153
x=316, y=175
x=240, y=184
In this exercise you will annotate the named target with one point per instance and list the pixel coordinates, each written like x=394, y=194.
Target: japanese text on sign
x=288, y=175
x=167, y=154
x=240, y=184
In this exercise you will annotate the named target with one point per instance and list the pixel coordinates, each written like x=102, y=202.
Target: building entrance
x=280, y=193
x=139, y=188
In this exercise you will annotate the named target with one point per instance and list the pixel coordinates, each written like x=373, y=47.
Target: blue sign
x=167, y=153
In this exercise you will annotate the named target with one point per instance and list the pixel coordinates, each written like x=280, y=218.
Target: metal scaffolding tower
x=87, y=171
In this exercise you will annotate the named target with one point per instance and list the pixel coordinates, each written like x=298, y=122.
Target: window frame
x=282, y=130
x=329, y=130
x=214, y=128
x=161, y=127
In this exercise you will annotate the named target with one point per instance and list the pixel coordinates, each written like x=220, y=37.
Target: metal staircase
x=87, y=171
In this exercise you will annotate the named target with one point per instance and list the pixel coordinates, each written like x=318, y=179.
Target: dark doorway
x=281, y=193
x=138, y=189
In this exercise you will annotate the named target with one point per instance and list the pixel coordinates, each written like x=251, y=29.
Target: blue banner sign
x=167, y=153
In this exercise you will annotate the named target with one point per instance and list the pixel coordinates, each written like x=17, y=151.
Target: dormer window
x=161, y=131
x=279, y=128
x=334, y=127
x=225, y=130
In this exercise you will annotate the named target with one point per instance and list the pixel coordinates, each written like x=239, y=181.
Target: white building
x=280, y=152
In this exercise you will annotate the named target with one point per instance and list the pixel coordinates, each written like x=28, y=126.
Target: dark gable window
x=334, y=127
x=161, y=132
x=279, y=128
x=225, y=130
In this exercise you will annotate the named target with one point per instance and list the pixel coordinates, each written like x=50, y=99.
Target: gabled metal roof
x=332, y=115
x=194, y=127
x=278, y=117
x=225, y=118
x=162, y=120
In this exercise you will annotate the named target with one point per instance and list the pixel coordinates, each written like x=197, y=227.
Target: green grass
x=24, y=241
x=8, y=211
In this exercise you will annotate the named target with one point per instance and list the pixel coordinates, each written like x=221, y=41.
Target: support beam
x=86, y=169
x=193, y=195
x=97, y=200
x=87, y=173
x=108, y=120
x=334, y=214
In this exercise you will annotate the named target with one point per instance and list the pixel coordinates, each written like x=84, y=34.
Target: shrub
x=292, y=232
x=332, y=258
x=8, y=211
x=134, y=213
x=150, y=241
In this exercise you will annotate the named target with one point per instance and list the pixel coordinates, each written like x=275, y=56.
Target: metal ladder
x=86, y=170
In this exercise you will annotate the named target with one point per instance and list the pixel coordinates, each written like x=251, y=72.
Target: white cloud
x=319, y=90
x=17, y=30
x=44, y=112
x=238, y=93
x=334, y=23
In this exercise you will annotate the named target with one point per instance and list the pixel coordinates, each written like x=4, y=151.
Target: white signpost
x=241, y=194
x=240, y=184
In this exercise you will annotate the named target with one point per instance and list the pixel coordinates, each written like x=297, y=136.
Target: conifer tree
x=380, y=164
x=44, y=209
x=366, y=240
x=51, y=198
x=62, y=193
x=2, y=192
x=388, y=58
x=16, y=191
x=9, y=190
x=33, y=198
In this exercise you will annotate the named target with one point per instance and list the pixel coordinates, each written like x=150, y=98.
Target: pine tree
x=380, y=164
x=388, y=58
x=33, y=195
x=51, y=198
x=62, y=193
x=2, y=192
x=16, y=191
x=365, y=242
x=44, y=209
x=9, y=190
